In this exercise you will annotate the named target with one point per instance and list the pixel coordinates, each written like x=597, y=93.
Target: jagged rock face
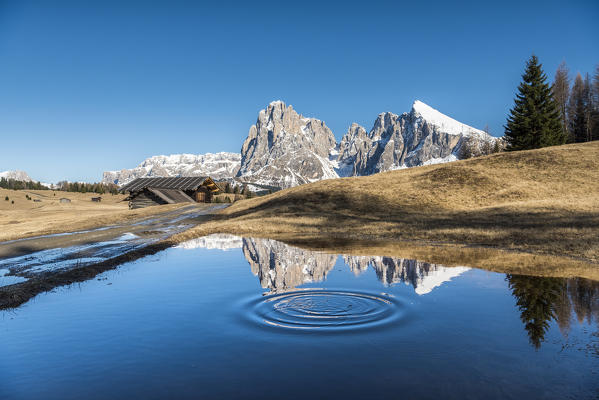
x=218, y=166
x=16, y=175
x=280, y=267
x=354, y=145
x=285, y=149
x=422, y=136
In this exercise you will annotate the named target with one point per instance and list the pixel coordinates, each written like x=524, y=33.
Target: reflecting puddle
x=229, y=317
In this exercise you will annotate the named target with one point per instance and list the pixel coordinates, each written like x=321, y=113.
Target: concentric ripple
x=325, y=310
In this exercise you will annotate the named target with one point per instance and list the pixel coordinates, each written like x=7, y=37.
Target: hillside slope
x=543, y=201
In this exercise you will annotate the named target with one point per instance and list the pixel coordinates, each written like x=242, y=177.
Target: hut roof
x=178, y=183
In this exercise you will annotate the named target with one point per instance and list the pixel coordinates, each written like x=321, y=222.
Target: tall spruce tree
x=536, y=299
x=534, y=121
x=577, y=110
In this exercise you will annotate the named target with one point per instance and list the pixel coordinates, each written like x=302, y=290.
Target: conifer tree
x=561, y=92
x=536, y=299
x=534, y=121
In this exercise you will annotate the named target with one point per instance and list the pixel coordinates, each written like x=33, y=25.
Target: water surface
x=226, y=317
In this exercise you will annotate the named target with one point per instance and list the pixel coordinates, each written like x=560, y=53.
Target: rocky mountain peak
x=284, y=148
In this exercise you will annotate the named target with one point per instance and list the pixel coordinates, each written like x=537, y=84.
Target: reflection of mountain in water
x=540, y=300
x=281, y=267
x=423, y=276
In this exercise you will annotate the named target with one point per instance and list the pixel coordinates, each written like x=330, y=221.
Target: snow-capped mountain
x=286, y=149
x=216, y=165
x=16, y=175
x=422, y=136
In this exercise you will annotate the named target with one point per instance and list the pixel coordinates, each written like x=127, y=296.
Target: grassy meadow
x=21, y=217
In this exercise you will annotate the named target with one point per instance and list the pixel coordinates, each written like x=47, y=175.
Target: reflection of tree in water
x=541, y=300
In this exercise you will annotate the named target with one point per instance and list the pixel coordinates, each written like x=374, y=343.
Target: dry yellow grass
x=542, y=201
x=26, y=218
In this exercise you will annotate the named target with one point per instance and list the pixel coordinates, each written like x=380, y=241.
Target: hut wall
x=203, y=195
x=144, y=199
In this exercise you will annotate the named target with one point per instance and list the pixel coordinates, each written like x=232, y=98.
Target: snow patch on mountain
x=16, y=175
x=446, y=124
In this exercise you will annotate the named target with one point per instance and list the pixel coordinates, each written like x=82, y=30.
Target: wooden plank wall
x=145, y=199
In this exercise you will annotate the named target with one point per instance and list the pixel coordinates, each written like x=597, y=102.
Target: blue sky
x=93, y=86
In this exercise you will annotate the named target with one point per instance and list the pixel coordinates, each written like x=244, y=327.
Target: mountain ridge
x=284, y=148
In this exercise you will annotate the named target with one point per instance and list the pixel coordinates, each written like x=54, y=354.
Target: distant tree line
x=235, y=189
x=14, y=184
x=548, y=115
x=83, y=187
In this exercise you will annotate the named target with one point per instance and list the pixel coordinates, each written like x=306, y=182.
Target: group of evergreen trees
x=14, y=184
x=245, y=191
x=83, y=187
x=65, y=186
x=543, y=300
x=548, y=115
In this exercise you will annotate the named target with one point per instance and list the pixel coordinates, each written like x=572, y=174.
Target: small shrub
x=12, y=202
x=6, y=198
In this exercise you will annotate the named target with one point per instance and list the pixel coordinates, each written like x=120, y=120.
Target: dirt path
x=34, y=265
x=35, y=256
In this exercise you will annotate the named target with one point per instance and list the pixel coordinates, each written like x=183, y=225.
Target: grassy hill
x=542, y=201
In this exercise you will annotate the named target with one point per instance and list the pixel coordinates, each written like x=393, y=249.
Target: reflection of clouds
x=281, y=267
x=216, y=241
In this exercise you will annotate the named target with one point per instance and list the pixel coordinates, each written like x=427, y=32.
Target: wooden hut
x=144, y=192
